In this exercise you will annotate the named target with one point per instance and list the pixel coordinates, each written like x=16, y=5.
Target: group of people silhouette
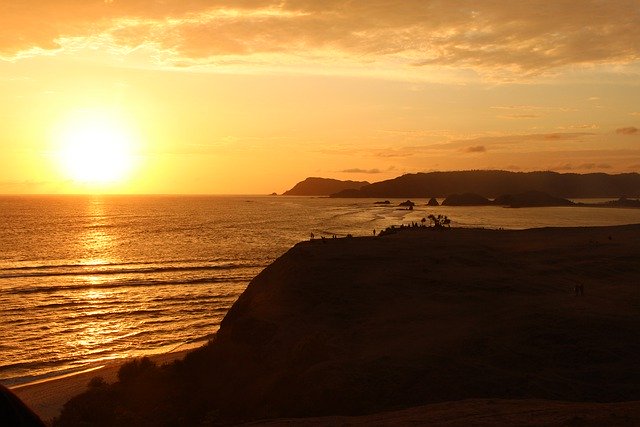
x=324, y=238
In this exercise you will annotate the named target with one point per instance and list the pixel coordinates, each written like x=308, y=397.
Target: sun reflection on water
x=101, y=326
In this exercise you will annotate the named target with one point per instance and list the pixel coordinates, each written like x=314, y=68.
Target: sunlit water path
x=85, y=280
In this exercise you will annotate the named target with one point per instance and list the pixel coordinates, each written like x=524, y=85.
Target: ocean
x=86, y=280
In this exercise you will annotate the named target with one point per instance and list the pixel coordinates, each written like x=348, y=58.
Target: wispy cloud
x=579, y=126
x=519, y=116
x=476, y=149
x=631, y=130
x=363, y=171
x=532, y=109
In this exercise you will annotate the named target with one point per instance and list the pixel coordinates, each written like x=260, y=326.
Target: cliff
x=360, y=326
x=495, y=183
x=322, y=187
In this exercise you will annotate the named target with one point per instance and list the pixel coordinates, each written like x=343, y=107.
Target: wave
x=168, y=261
x=103, y=264
x=218, y=296
x=107, y=269
x=30, y=364
x=209, y=302
x=125, y=284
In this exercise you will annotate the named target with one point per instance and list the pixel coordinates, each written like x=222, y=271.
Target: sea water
x=85, y=280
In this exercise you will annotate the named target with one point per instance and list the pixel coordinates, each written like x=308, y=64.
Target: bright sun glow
x=95, y=148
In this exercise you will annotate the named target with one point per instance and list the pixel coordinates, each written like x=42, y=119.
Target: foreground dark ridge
x=496, y=183
x=366, y=325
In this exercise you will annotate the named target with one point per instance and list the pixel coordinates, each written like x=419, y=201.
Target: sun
x=95, y=148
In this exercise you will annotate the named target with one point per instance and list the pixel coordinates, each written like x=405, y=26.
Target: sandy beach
x=46, y=397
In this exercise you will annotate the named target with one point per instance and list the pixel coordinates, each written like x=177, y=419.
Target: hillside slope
x=365, y=325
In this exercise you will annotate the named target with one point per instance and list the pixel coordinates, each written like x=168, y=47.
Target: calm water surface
x=85, y=280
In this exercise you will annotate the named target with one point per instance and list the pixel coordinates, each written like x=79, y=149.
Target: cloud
x=528, y=111
x=358, y=170
x=580, y=126
x=476, y=149
x=391, y=153
x=564, y=136
x=519, y=107
x=519, y=116
x=521, y=38
x=628, y=131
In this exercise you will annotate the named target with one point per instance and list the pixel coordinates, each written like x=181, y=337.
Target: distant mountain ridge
x=315, y=186
x=494, y=183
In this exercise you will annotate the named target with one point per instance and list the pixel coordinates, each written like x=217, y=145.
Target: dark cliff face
x=322, y=187
x=496, y=183
x=371, y=324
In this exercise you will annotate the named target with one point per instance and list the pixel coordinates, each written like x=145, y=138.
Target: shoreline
x=47, y=396
x=17, y=382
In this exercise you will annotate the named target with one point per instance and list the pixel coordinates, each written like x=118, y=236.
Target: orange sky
x=252, y=96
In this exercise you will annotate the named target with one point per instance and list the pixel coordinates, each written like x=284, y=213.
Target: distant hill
x=466, y=199
x=531, y=199
x=495, y=183
x=323, y=187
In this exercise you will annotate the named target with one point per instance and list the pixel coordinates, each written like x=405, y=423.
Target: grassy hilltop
x=369, y=325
